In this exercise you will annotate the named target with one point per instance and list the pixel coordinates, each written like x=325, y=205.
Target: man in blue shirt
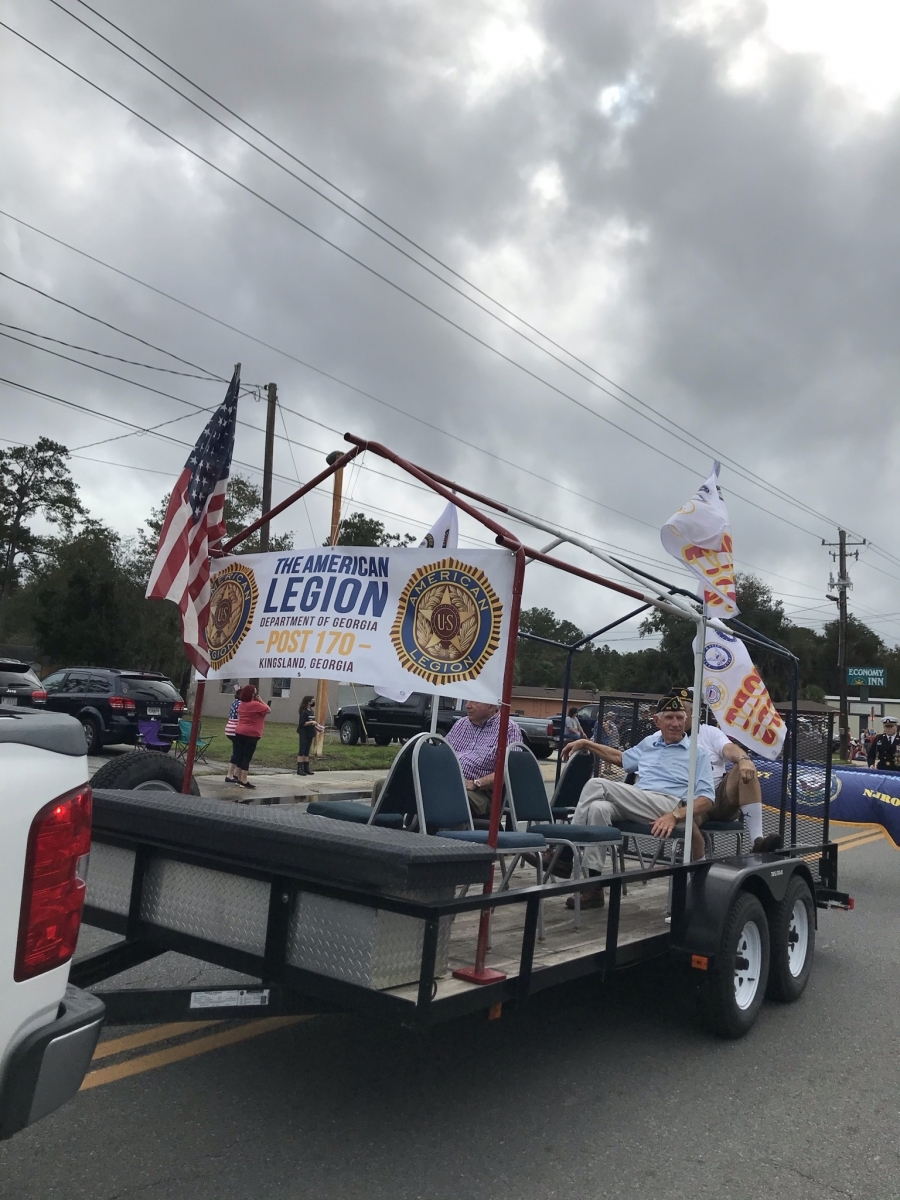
x=661, y=763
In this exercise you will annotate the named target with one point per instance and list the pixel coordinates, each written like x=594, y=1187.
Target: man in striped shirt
x=474, y=738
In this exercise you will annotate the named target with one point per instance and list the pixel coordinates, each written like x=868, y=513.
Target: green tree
x=539, y=665
x=34, y=480
x=360, y=530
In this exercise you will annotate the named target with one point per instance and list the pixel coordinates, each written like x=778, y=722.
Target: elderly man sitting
x=474, y=738
x=661, y=762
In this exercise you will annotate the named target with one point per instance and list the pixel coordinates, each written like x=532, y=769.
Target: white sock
x=753, y=820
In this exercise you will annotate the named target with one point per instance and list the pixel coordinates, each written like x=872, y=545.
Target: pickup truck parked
x=48, y=1030
x=382, y=720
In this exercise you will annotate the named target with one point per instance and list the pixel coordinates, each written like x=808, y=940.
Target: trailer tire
x=349, y=732
x=142, y=770
x=792, y=930
x=733, y=992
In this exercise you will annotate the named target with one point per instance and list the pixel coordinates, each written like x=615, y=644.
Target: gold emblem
x=448, y=622
x=231, y=606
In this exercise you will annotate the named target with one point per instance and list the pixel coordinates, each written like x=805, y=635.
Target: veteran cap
x=670, y=703
x=684, y=694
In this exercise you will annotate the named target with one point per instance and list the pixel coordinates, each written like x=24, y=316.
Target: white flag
x=444, y=533
x=699, y=535
x=733, y=689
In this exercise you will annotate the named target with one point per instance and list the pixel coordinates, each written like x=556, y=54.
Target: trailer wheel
x=731, y=996
x=349, y=732
x=142, y=770
x=793, y=933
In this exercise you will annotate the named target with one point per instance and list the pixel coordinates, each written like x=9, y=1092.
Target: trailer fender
x=711, y=893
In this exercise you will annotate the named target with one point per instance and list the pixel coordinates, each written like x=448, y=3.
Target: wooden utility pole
x=843, y=584
x=268, y=456
x=322, y=685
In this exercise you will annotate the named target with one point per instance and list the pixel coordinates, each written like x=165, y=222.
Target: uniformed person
x=884, y=751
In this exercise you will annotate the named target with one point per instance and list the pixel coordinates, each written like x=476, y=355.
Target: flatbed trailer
x=327, y=917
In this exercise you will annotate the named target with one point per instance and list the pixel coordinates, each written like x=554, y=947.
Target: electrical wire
x=130, y=362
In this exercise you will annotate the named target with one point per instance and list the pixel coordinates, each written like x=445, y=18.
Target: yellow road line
x=849, y=844
x=162, y=1058
x=158, y=1033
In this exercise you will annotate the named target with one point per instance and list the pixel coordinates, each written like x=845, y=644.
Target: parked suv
x=110, y=703
x=19, y=686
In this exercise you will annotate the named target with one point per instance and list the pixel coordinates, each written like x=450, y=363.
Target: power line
x=129, y=362
x=695, y=442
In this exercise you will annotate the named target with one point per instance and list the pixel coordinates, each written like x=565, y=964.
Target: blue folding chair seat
x=709, y=829
x=505, y=841
x=395, y=806
x=356, y=811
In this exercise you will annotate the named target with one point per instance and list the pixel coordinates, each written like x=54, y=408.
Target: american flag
x=195, y=524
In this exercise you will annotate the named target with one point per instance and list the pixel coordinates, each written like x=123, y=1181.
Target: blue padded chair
x=578, y=770
x=443, y=806
x=735, y=828
x=527, y=798
x=396, y=803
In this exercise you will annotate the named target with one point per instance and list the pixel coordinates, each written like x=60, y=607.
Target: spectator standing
x=252, y=713
x=307, y=729
x=230, y=730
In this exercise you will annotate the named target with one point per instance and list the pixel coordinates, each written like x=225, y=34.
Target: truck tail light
x=59, y=843
x=550, y=729
x=39, y=697
x=122, y=704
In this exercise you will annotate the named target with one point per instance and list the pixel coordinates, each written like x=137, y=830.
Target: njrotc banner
x=740, y=701
x=408, y=619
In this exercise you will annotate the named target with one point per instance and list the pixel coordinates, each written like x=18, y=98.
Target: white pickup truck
x=48, y=1030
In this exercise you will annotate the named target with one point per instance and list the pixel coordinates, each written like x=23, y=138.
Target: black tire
x=793, y=945
x=731, y=997
x=143, y=770
x=542, y=751
x=92, y=737
x=381, y=740
x=349, y=731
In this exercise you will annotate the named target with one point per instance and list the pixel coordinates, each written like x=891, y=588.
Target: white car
x=48, y=1030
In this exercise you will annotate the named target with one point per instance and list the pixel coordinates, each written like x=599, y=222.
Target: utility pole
x=322, y=685
x=268, y=456
x=842, y=584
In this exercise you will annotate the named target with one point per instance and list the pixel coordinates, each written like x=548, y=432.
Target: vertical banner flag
x=195, y=524
x=739, y=699
x=443, y=535
x=699, y=536
x=405, y=619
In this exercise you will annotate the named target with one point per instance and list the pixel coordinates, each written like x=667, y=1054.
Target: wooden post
x=322, y=685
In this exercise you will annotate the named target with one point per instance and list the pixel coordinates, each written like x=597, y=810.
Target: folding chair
x=184, y=737
x=710, y=828
x=527, y=798
x=395, y=807
x=148, y=736
x=578, y=770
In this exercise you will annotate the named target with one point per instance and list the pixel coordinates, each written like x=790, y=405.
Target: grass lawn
x=278, y=748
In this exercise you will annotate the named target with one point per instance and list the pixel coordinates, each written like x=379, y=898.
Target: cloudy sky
x=661, y=232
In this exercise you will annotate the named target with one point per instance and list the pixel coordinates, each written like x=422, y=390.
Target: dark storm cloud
x=725, y=252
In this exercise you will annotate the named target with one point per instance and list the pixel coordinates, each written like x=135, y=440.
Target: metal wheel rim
x=798, y=938
x=746, y=979
x=154, y=785
x=89, y=733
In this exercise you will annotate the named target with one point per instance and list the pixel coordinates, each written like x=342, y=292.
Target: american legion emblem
x=448, y=622
x=231, y=606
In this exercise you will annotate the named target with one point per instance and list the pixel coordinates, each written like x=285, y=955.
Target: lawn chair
x=578, y=770
x=396, y=803
x=148, y=736
x=527, y=797
x=183, y=739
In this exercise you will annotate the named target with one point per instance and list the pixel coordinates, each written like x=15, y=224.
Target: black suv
x=19, y=686
x=109, y=703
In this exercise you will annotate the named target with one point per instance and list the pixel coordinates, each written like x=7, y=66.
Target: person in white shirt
x=735, y=779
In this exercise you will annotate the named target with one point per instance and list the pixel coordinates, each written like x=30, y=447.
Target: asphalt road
x=595, y=1091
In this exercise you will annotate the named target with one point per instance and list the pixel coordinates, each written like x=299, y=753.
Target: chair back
x=398, y=794
x=149, y=732
x=184, y=730
x=578, y=770
x=525, y=788
x=440, y=787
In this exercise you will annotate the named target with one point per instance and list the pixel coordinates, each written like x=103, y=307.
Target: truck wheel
x=793, y=933
x=142, y=770
x=91, y=735
x=731, y=996
x=381, y=740
x=349, y=732
x=542, y=751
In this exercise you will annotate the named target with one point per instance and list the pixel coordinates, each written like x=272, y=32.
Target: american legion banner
x=407, y=619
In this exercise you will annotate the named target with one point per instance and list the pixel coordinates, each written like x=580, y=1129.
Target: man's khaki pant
x=604, y=801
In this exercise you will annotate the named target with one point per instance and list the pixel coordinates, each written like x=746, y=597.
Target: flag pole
x=695, y=730
x=192, y=743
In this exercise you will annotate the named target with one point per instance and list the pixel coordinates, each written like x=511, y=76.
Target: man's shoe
x=589, y=899
x=764, y=845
